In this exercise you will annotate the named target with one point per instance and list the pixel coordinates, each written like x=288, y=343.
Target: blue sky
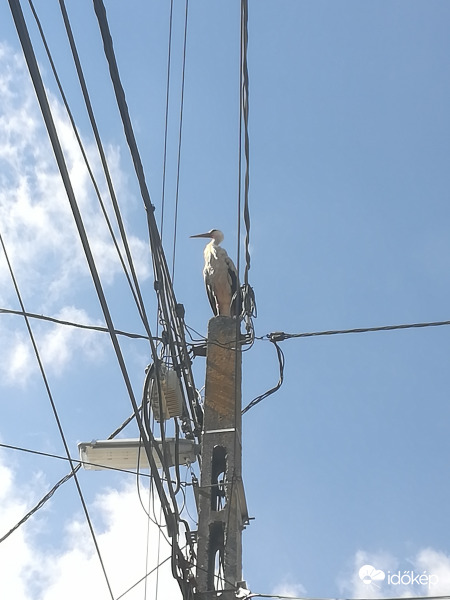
x=347, y=463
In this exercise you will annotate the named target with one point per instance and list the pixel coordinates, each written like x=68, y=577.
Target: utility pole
x=222, y=509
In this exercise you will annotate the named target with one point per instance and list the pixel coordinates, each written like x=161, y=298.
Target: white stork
x=220, y=274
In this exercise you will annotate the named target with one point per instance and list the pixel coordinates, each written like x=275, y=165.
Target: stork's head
x=214, y=234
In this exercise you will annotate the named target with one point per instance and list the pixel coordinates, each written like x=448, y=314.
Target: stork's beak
x=202, y=235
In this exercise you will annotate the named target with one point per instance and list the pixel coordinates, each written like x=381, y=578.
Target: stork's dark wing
x=236, y=304
x=211, y=298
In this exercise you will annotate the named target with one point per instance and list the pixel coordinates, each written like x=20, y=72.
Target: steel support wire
x=163, y=285
x=30, y=58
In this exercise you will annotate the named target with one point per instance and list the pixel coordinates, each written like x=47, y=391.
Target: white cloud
x=61, y=343
x=16, y=360
x=57, y=345
x=38, y=228
x=437, y=564
x=29, y=573
x=36, y=219
x=16, y=554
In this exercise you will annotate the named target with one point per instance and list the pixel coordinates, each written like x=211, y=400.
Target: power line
x=281, y=363
x=172, y=313
x=140, y=307
x=48, y=119
x=66, y=478
x=136, y=291
x=280, y=597
x=100, y=328
x=41, y=502
x=248, y=303
x=71, y=459
x=280, y=336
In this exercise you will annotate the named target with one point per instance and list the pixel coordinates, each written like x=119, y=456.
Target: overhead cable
x=280, y=336
x=172, y=314
x=258, y=399
x=171, y=311
x=100, y=11
x=248, y=308
x=48, y=119
x=100, y=328
x=136, y=290
x=64, y=479
x=41, y=502
x=244, y=115
x=281, y=597
x=135, y=293
x=73, y=460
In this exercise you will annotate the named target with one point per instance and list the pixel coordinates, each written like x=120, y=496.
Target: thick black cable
x=244, y=112
x=41, y=502
x=139, y=305
x=8, y=311
x=248, y=303
x=48, y=119
x=170, y=309
x=100, y=11
x=136, y=290
x=281, y=336
x=258, y=399
x=236, y=472
x=59, y=156
x=171, y=312
x=255, y=595
x=63, y=480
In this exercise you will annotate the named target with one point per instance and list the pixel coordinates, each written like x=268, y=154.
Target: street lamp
x=130, y=453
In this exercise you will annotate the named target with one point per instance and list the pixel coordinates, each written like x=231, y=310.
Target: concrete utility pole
x=222, y=509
